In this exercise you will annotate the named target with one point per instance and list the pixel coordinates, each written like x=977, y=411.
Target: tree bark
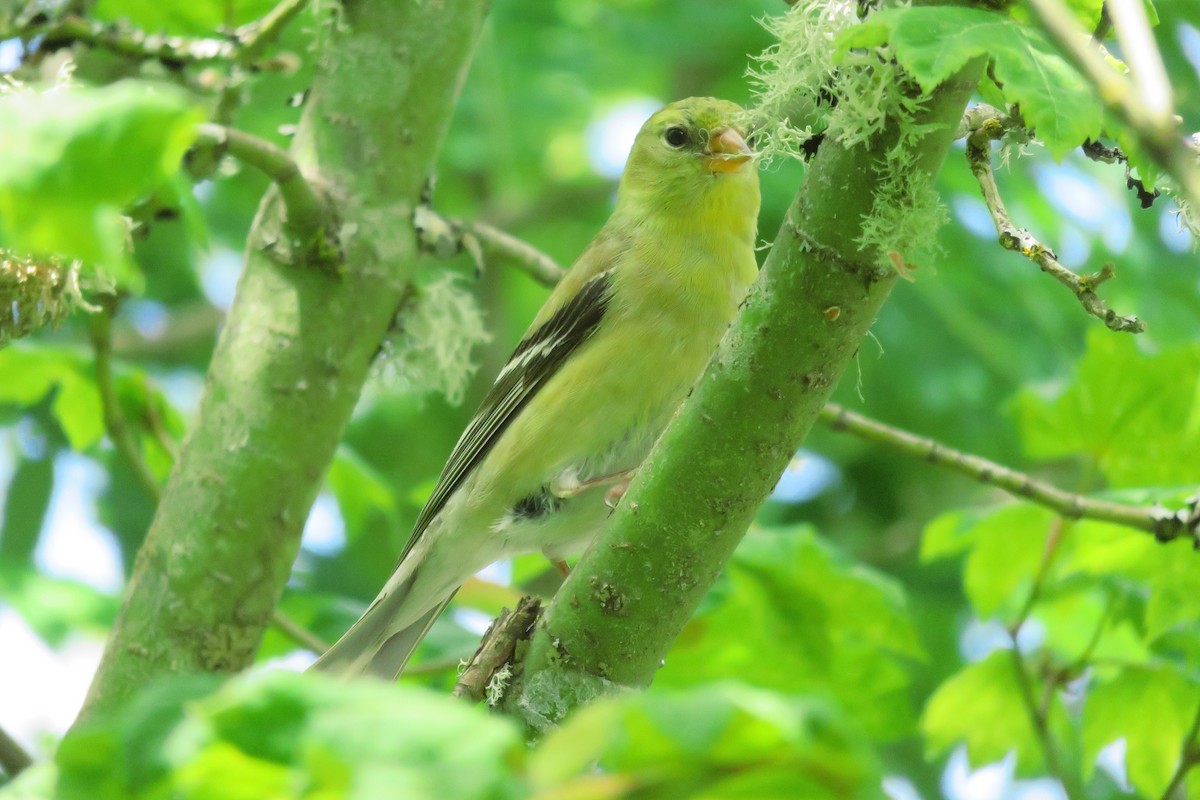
x=614, y=619
x=296, y=349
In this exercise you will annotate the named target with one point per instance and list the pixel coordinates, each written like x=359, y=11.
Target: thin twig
x=1039, y=721
x=539, y=266
x=245, y=45
x=1164, y=524
x=1156, y=129
x=447, y=236
x=1189, y=756
x=13, y=758
x=255, y=37
x=298, y=633
x=100, y=328
x=979, y=156
x=306, y=212
x=496, y=648
x=1054, y=538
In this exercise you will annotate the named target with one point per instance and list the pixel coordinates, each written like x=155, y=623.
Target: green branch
x=1163, y=524
x=1189, y=756
x=979, y=156
x=100, y=329
x=615, y=617
x=307, y=215
x=448, y=236
x=243, y=46
x=293, y=355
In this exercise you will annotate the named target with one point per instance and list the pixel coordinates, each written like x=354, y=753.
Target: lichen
x=804, y=83
x=432, y=339
x=35, y=293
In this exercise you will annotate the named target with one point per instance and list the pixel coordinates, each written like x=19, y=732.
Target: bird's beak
x=727, y=151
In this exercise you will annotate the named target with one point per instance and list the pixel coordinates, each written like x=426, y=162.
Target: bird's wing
x=537, y=358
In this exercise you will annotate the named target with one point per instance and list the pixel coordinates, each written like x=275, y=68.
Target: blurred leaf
x=1137, y=415
x=57, y=607
x=1152, y=709
x=359, y=489
x=793, y=614
x=983, y=707
x=198, y=17
x=75, y=158
x=24, y=508
x=932, y=43
x=716, y=741
x=27, y=373
x=283, y=734
x=1009, y=547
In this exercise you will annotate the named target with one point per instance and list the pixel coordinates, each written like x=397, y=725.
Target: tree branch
x=1038, y=720
x=244, y=45
x=100, y=329
x=687, y=508
x=1155, y=127
x=13, y=758
x=293, y=355
x=1163, y=524
x=307, y=214
x=979, y=156
x=298, y=633
x=496, y=649
x=448, y=236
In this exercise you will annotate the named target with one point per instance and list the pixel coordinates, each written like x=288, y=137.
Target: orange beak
x=727, y=151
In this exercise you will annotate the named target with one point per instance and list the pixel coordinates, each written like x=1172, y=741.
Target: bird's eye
x=675, y=137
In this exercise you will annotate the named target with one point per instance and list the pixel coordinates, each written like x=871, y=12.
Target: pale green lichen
x=795, y=81
x=35, y=293
x=1186, y=218
x=431, y=343
x=497, y=685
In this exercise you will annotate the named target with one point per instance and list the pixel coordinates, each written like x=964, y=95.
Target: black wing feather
x=536, y=360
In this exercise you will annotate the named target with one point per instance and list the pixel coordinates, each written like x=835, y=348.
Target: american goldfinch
x=593, y=382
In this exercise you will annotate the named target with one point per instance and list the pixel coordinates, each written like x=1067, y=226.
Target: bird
x=593, y=382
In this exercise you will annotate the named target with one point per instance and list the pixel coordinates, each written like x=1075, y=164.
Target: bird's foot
x=568, y=484
x=562, y=567
x=614, y=495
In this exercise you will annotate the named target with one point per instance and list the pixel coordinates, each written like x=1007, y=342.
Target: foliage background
x=873, y=583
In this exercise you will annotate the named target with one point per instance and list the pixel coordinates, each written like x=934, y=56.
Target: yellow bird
x=593, y=382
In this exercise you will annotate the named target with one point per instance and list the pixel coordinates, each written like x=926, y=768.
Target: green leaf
x=75, y=158
x=719, y=740
x=1005, y=558
x=284, y=734
x=57, y=607
x=197, y=17
x=360, y=490
x=982, y=706
x=27, y=373
x=792, y=614
x=1136, y=414
x=934, y=42
x=1152, y=709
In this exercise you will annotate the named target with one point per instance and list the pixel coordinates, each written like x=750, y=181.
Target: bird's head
x=690, y=152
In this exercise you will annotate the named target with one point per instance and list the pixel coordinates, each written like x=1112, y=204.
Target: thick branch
x=307, y=215
x=979, y=156
x=1164, y=524
x=1156, y=129
x=293, y=354
x=615, y=617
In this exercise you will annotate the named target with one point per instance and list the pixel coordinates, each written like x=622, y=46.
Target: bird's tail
x=373, y=645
